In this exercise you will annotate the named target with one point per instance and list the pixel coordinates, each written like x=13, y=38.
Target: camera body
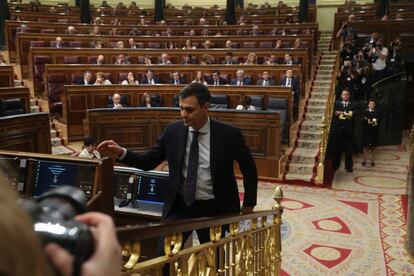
x=53, y=221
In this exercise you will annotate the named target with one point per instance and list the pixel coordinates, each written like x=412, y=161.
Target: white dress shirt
x=204, y=185
x=288, y=82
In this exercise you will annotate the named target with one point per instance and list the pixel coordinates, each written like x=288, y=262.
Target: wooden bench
x=16, y=93
x=76, y=99
x=60, y=28
x=139, y=128
x=6, y=76
x=25, y=132
x=57, y=56
x=394, y=7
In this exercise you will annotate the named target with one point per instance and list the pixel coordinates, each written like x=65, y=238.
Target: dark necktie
x=191, y=179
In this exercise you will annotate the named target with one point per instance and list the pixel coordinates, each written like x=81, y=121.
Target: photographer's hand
x=106, y=260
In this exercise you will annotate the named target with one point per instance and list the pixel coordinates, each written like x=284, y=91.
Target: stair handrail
x=255, y=248
x=326, y=124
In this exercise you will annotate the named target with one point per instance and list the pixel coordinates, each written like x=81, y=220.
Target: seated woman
x=189, y=45
x=200, y=78
x=245, y=104
x=146, y=101
x=89, y=149
x=130, y=80
x=251, y=59
x=100, y=79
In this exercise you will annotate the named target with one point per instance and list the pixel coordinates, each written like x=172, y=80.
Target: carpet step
x=314, y=117
x=298, y=176
x=34, y=108
x=311, y=126
x=315, y=109
x=300, y=155
x=310, y=134
x=308, y=144
x=53, y=133
x=56, y=141
x=301, y=168
x=319, y=95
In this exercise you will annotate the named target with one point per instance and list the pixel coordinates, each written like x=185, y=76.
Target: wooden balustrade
x=6, y=76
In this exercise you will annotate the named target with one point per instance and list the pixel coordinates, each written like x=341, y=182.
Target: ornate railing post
x=322, y=147
x=277, y=223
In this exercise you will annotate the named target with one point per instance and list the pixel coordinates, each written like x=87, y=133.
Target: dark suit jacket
x=221, y=81
x=226, y=145
x=294, y=84
x=246, y=81
x=228, y=62
x=82, y=82
x=260, y=82
x=144, y=80
x=343, y=127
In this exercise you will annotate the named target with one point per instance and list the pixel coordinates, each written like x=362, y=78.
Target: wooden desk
x=17, y=92
x=139, y=128
x=6, y=76
x=77, y=99
x=25, y=132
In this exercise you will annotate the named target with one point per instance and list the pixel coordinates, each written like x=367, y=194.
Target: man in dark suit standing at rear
x=200, y=153
x=343, y=131
x=290, y=81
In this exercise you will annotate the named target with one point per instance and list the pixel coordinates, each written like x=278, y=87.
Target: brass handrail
x=255, y=250
x=326, y=125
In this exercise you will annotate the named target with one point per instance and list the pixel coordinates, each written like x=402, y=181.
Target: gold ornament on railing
x=175, y=241
x=131, y=252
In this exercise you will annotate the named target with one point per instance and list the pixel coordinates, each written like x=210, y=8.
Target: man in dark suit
x=200, y=152
x=216, y=79
x=177, y=79
x=150, y=78
x=87, y=79
x=241, y=79
x=228, y=59
x=343, y=130
x=290, y=81
x=265, y=80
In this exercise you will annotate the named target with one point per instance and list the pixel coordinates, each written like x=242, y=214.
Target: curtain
x=4, y=15
x=85, y=11
x=159, y=10
x=383, y=8
x=303, y=11
x=230, y=12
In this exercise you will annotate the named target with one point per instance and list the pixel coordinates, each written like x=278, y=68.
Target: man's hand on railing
x=247, y=209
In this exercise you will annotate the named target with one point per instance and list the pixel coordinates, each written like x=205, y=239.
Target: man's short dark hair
x=196, y=89
x=216, y=72
x=89, y=141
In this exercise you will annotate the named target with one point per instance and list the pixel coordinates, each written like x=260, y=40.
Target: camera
x=53, y=221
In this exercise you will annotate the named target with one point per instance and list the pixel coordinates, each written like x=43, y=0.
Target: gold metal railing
x=326, y=125
x=251, y=250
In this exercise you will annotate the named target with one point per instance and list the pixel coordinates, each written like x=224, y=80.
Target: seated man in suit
x=241, y=79
x=164, y=59
x=265, y=80
x=116, y=98
x=58, y=43
x=100, y=60
x=121, y=59
x=177, y=79
x=216, y=79
x=290, y=81
x=228, y=59
x=87, y=79
x=150, y=78
x=131, y=44
x=200, y=152
x=288, y=59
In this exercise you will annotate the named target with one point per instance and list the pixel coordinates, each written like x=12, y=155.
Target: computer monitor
x=15, y=171
x=48, y=175
x=147, y=188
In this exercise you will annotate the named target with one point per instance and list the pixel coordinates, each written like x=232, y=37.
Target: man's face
x=193, y=114
x=117, y=99
x=371, y=104
x=149, y=75
x=176, y=76
x=131, y=42
x=266, y=75
x=345, y=96
x=287, y=58
x=240, y=75
x=215, y=76
x=88, y=77
x=289, y=73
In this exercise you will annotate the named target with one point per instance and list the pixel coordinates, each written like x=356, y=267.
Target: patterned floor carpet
x=357, y=227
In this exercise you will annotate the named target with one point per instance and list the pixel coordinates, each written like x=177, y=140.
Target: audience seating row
x=15, y=100
x=12, y=27
x=77, y=99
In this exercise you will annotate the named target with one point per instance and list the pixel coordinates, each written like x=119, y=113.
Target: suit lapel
x=182, y=138
x=214, y=147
